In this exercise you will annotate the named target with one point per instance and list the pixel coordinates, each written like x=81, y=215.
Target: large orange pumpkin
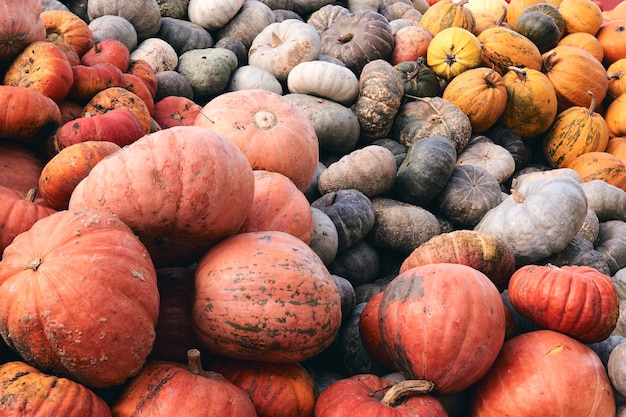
x=503, y=47
x=617, y=146
x=265, y=296
x=615, y=116
x=448, y=13
x=181, y=190
x=78, y=297
x=434, y=317
x=273, y=133
x=119, y=97
x=67, y=26
x=176, y=111
x=617, y=81
x=20, y=25
x=600, y=166
x=19, y=121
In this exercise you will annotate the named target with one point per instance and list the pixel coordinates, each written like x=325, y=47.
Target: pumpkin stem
x=96, y=47
x=517, y=196
x=31, y=194
x=34, y=264
x=489, y=78
x=276, y=41
x=521, y=73
x=502, y=17
x=548, y=62
x=194, y=362
x=346, y=37
x=592, y=106
x=615, y=75
x=410, y=386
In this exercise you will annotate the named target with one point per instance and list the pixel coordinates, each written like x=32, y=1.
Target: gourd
x=540, y=28
x=610, y=37
x=495, y=159
x=453, y=51
x=20, y=166
x=503, y=47
x=249, y=77
x=581, y=16
x=606, y=200
x=176, y=111
x=359, y=264
x=445, y=14
x=158, y=53
x=68, y=27
x=324, y=240
x=18, y=122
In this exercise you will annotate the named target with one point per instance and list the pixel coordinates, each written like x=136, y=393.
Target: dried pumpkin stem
x=410, y=386
x=31, y=194
x=503, y=17
x=517, y=196
x=592, y=106
x=346, y=37
x=194, y=362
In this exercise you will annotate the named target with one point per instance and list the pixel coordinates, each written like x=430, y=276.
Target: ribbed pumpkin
x=576, y=130
x=503, y=47
x=265, y=296
x=20, y=25
x=576, y=300
x=573, y=71
x=600, y=166
x=540, y=28
x=617, y=81
x=531, y=104
x=615, y=116
x=481, y=94
x=448, y=13
x=68, y=26
x=118, y=97
x=617, y=146
x=414, y=316
x=612, y=37
x=452, y=51
x=19, y=121
x=552, y=11
x=273, y=133
x=516, y=7
x=77, y=290
x=26, y=391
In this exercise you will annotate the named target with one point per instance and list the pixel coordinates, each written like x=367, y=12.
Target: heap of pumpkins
x=312, y=208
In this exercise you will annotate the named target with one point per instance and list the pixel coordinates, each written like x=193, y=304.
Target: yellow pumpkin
x=452, y=51
x=503, y=47
x=448, y=13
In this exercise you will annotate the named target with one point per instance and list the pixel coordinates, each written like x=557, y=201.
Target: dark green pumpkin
x=419, y=79
x=184, y=35
x=540, y=28
x=551, y=11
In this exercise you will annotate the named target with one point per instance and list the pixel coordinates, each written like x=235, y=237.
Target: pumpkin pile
x=313, y=208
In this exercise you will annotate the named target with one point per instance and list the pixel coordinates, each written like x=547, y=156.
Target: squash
x=182, y=180
x=324, y=79
x=585, y=41
x=17, y=121
x=447, y=13
x=239, y=325
x=65, y=25
x=581, y=16
x=611, y=38
x=409, y=44
x=494, y=158
x=359, y=264
x=419, y=79
x=20, y=165
x=114, y=27
x=617, y=81
x=249, y=77
x=250, y=20
x=183, y=35
x=324, y=240
x=55, y=246
x=529, y=375
x=207, y=70
x=413, y=304
x=612, y=245
x=575, y=131
x=503, y=47
x=157, y=52
x=452, y=51
x=89, y=80
x=119, y=98
x=551, y=10
x=600, y=165
x=606, y=200
x=273, y=133
x=614, y=116
x=617, y=146
x=540, y=28
x=173, y=83
x=176, y=111
x=109, y=50
x=20, y=25
x=144, y=15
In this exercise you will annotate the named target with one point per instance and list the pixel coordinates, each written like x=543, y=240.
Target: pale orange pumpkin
x=600, y=166
x=615, y=116
x=612, y=38
x=617, y=147
x=617, y=81
x=66, y=25
x=586, y=41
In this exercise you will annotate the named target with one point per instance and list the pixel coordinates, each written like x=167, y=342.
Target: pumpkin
x=575, y=300
x=447, y=13
x=183, y=174
x=144, y=15
x=357, y=38
x=600, y=165
x=272, y=314
x=18, y=121
x=503, y=47
x=383, y=397
x=119, y=98
x=359, y=264
x=173, y=83
x=20, y=166
x=494, y=158
x=276, y=389
x=136, y=85
x=198, y=392
x=573, y=71
x=617, y=81
x=89, y=80
x=417, y=300
x=21, y=25
x=119, y=126
x=410, y=43
x=325, y=240
x=380, y=96
x=173, y=8
x=551, y=10
x=419, y=79
x=532, y=103
x=324, y=79
x=176, y=111
x=114, y=27
x=516, y=7
x=214, y=15
x=617, y=146
x=28, y=392
x=540, y=28
x=614, y=116
x=65, y=170
x=370, y=332
x=585, y=41
x=482, y=251
x=109, y=50
x=249, y=77
x=371, y=170
x=529, y=375
x=20, y=210
x=576, y=130
x=452, y=51
x=117, y=285
x=250, y=20
x=278, y=205
x=611, y=39
x=481, y=94
x=157, y=52
x=531, y=236
x=183, y=35
x=512, y=142
x=272, y=132
x=611, y=245
x=581, y=16
x=69, y=27
x=607, y=201
x=401, y=10
x=42, y=67
x=615, y=368
x=280, y=46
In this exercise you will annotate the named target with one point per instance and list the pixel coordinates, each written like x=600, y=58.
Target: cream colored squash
x=213, y=14
x=494, y=158
x=144, y=15
x=249, y=77
x=324, y=79
x=158, y=53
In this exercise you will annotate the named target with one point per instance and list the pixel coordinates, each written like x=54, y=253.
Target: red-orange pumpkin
x=612, y=37
x=118, y=97
x=65, y=170
x=110, y=50
x=276, y=389
x=370, y=395
x=576, y=300
x=144, y=70
x=89, y=80
x=273, y=133
x=265, y=296
x=410, y=43
x=19, y=121
x=137, y=85
x=29, y=392
x=369, y=332
x=176, y=111
x=172, y=389
x=20, y=166
x=189, y=187
x=544, y=373
x=78, y=297
x=67, y=26
x=20, y=25
x=415, y=316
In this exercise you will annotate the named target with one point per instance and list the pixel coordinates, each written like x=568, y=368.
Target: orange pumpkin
x=29, y=392
x=446, y=14
x=144, y=70
x=410, y=43
x=576, y=130
x=176, y=111
x=516, y=7
x=581, y=16
x=89, y=80
x=503, y=47
x=615, y=116
x=20, y=25
x=65, y=170
x=600, y=166
x=574, y=71
x=42, y=67
x=110, y=50
x=118, y=97
x=617, y=81
x=612, y=38
x=135, y=84
x=70, y=53
x=20, y=165
x=273, y=133
x=452, y=51
x=19, y=121
x=70, y=110
x=531, y=105
x=481, y=94
x=585, y=41
x=67, y=26
x=486, y=20
x=617, y=147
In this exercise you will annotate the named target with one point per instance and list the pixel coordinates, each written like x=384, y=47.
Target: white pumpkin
x=494, y=158
x=144, y=15
x=249, y=77
x=213, y=14
x=158, y=53
x=324, y=79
